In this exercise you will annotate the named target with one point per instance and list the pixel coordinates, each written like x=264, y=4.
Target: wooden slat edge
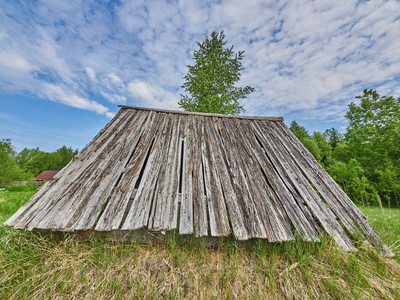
x=276, y=119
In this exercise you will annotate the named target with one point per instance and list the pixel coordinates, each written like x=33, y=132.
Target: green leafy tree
x=324, y=147
x=312, y=146
x=299, y=131
x=341, y=153
x=26, y=155
x=365, y=161
x=373, y=137
x=65, y=154
x=9, y=169
x=374, y=128
x=211, y=80
x=350, y=176
x=333, y=136
x=40, y=161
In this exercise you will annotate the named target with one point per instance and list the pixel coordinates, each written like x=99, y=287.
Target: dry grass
x=66, y=267
x=69, y=268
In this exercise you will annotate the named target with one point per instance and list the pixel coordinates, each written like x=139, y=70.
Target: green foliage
x=312, y=146
x=351, y=177
x=9, y=169
x=299, y=131
x=325, y=149
x=373, y=138
x=29, y=163
x=333, y=136
x=36, y=161
x=211, y=80
x=26, y=155
x=341, y=153
x=7, y=148
x=365, y=160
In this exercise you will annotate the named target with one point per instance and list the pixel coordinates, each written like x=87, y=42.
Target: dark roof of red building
x=46, y=175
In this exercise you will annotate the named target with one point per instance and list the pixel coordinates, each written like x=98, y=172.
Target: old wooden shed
x=202, y=174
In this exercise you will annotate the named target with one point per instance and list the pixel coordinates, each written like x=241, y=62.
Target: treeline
x=365, y=160
x=29, y=163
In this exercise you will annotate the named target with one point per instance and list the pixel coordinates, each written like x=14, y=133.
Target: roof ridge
x=275, y=119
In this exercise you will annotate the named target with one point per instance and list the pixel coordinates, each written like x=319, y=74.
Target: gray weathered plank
x=218, y=217
x=158, y=201
x=69, y=182
x=186, y=208
x=276, y=227
x=341, y=205
x=96, y=181
x=119, y=201
x=297, y=183
x=251, y=219
x=286, y=201
x=200, y=214
x=166, y=210
x=231, y=198
x=103, y=189
x=139, y=212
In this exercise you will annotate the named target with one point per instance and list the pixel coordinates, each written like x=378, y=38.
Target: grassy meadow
x=66, y=267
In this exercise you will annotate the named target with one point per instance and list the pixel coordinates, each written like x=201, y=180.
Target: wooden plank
x=200, y=214
x=95, y=184
x=276, y=227
x=170, y=221
x=94, y=146
x=218, y=217
x=119, y=201
x=285, y=199
x=186, y=208
x=231, y=199
x=166, y=208
x=67, y=185
x=99, y=200
x=297, y=183
x=63, y=178
x=156, y=214
x=341, y=205
x=294, y=199
x=251, y=221
x=139, y=212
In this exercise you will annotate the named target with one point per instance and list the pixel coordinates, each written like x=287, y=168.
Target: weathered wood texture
x=202, y=174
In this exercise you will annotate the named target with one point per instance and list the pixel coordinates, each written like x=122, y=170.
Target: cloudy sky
x=65, y=66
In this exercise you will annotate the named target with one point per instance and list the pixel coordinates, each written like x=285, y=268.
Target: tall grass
x=66, y=266
x=387, y=224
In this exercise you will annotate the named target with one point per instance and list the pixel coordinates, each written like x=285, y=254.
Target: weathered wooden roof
x=202, y=174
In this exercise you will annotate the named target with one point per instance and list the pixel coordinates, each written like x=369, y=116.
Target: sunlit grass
x=65, y=266
x=386, y=222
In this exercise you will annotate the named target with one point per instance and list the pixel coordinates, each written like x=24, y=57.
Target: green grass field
x=67, y=267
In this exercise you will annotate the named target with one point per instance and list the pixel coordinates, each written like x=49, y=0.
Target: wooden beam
x=275, y=119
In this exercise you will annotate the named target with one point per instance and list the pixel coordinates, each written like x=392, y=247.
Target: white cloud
x=15, y=62
x=301, y=56
x=114, y=98
x=110, y=115
x=56, y=93
x=152, y=96
x=115, y=79
x=91, y=74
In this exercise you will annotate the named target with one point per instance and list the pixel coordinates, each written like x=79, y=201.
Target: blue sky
x=66, y=65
